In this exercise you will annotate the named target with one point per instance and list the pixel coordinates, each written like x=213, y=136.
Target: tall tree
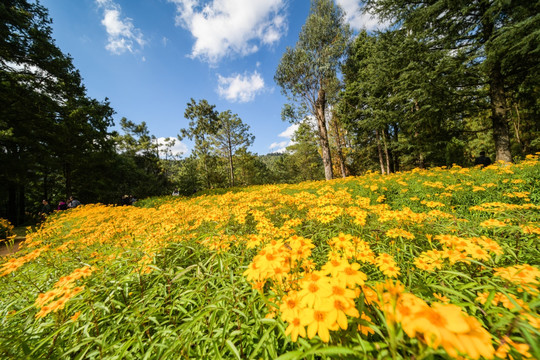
x=203, y=122
x=42, y=99
x=232, y=135
x=308, y=71
x=493, y=34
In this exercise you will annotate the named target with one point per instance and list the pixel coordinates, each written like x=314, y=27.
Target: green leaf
x=233, y=348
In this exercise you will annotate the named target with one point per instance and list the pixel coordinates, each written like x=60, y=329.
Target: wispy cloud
x=281, y=146
x=122, y=34
x=231, y=27
x=240, y=88
x=356, y=17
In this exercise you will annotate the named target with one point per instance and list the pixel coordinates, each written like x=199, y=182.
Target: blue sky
x=149, y=57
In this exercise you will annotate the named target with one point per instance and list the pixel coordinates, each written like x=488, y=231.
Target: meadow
x=427, y=264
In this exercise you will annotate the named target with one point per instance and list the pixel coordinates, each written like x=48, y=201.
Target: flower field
x=426, y=264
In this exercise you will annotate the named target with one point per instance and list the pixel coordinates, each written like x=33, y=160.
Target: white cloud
x=281, y=146
x=289, y=132
x=122, y=34
x=357, y=18
x=240, y=88
x=177, y=149
x=227, y=27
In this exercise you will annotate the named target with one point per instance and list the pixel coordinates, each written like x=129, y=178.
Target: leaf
x=233, y=348
x=291, y=355
x=332, y=350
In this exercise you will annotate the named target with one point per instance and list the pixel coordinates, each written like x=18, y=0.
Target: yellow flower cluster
x=438, y=325
x=318, y=279
x=457, y=249
x=13, y=264
x=519, y=274
x=64, y=289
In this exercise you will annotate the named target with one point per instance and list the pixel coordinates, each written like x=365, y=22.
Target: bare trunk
x=517, y=124
x=386, y=153
x=231, y=167
x=499, y=117
x=379, y=150
x=501, y=133
x=395, y=154
x=323, y=135
x=341, y=158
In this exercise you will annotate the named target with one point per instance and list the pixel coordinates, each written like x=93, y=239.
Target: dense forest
x=443, y=82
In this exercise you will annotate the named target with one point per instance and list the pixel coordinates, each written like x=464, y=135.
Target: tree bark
x=501, y=132
x=231, y=167
x=379, y=150
x=395, y=153
x=323, y=134
x=497, y=97
x=339, y=147
x=387, y=155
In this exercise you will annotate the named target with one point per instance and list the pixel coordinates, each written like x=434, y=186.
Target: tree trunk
x=323, y=135
x=395, y=152
x=499, y=118
x=501, y=132
x=341, y=158
x=231, y=167
x=387, y=155
x=379, y=150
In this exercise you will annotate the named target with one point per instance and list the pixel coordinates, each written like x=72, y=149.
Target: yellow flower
x=441, y=298
x=290, y=306
x=364, y=329
x=351, y=276
x=492, y=223
x=447, y=326
x=391, y=271
x=319, y=322
x=314, y=290
x=394, y=233
x=75, y=316
x=297, y=327
x=334, y=267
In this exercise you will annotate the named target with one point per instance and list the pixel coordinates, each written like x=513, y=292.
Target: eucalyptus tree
x=498, y=38
x=231, y=136
x=307, y=72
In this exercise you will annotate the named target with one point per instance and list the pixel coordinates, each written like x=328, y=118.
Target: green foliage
x=168, y=283
x=232, y=135
x=47, y=121
x=493, y=43
x=307, y=73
